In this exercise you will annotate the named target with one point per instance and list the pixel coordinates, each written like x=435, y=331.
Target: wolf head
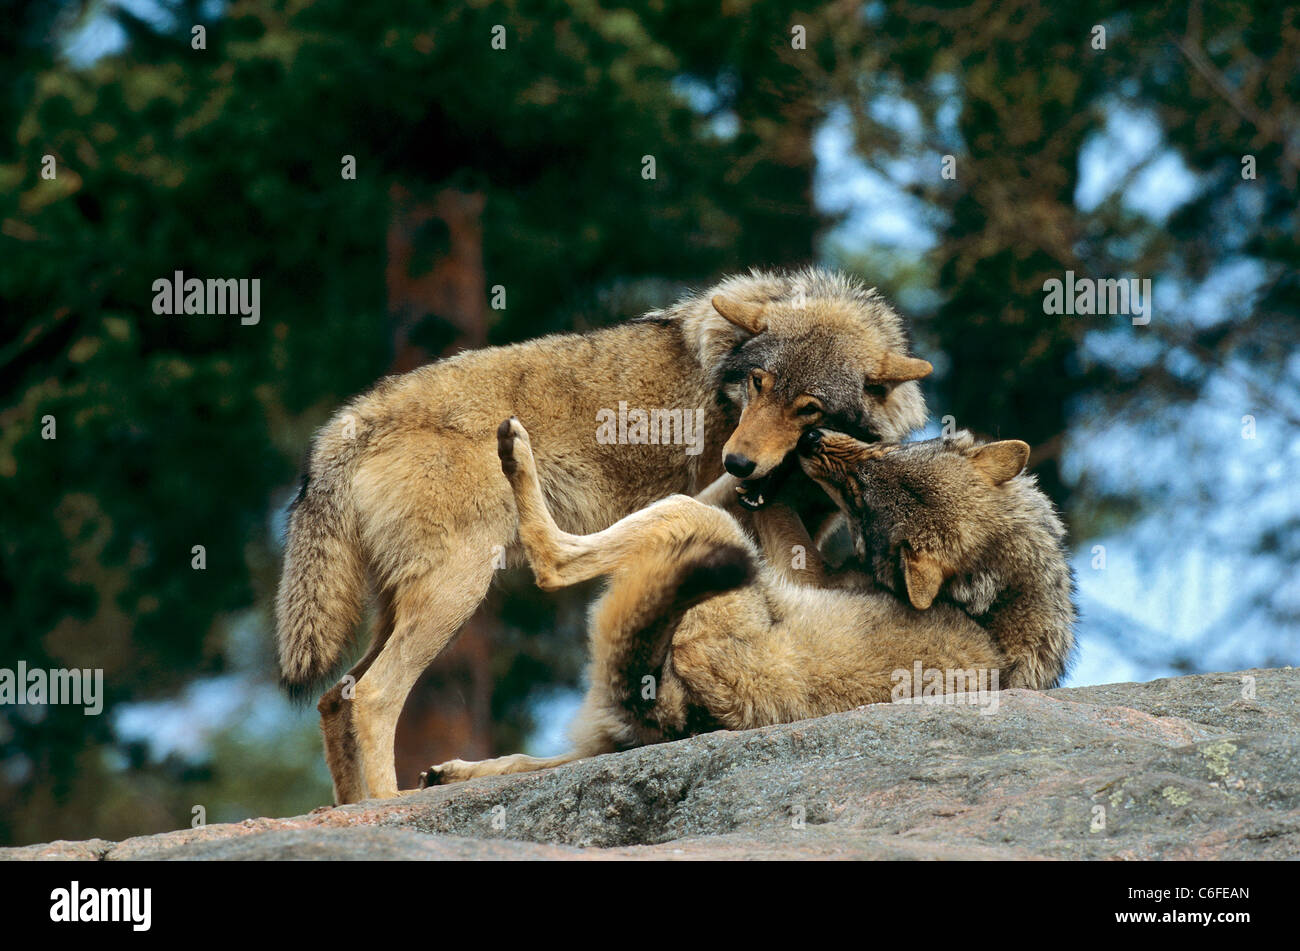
x=923, y=512
x=807, y=349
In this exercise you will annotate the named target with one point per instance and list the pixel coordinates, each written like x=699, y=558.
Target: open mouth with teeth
x=754, y=494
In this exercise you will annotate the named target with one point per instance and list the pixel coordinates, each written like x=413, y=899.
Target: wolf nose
x=810, y=442
x=738, y=465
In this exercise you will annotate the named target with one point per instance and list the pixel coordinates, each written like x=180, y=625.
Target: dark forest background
x=1171, y=152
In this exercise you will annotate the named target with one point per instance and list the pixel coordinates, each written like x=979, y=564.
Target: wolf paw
x=810, y=443
x=512, y=444
x=451, y=771
x=430, y=777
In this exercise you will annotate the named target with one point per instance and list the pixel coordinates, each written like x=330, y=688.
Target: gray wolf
x=951, y=520
x=699, y=631
x=404, y=500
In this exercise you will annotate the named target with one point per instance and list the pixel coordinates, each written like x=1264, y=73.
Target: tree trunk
x=437, y=304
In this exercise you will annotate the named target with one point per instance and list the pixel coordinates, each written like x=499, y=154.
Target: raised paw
x=824, y=453
x=512, y=444
x=810, y=443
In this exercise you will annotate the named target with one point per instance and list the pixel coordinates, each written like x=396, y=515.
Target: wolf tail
x=322, y=585
x=644, y=606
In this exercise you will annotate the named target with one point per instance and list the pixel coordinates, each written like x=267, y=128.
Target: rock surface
x=1184, y=768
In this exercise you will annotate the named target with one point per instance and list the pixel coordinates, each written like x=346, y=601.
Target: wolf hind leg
x=459, y=770
x=338, y=728
x=429, y=610
x=593, y=731
x=560, y=559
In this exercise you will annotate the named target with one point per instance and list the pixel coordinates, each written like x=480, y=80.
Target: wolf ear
x=923, y=574
x=999, y=461
x=744, y=314
x=895, y=368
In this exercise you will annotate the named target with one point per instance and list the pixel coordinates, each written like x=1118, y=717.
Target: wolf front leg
x=788, y=547
x=721, y=493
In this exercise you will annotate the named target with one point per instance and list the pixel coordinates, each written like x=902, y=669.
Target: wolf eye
x=808, y=409
x=757, y=379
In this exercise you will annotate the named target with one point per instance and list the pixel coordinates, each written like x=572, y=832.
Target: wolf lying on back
x=403, y=495
x=698, y=632
x=927, y=528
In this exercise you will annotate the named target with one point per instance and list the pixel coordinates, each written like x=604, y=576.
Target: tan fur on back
x=404, y=495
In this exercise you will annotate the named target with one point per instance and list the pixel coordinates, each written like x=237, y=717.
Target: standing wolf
x=404, y=496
